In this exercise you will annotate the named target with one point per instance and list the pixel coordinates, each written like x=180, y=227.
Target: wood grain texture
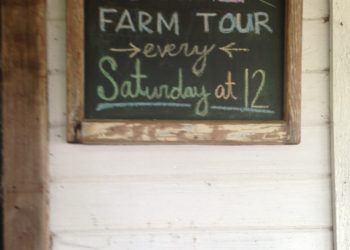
x=80, y=130
x=75, y=68
x=25, y=125
x=292, y=96
x=143, y=132
x=341, y=120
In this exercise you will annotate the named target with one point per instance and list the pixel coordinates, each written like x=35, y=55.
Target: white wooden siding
x=195, y=197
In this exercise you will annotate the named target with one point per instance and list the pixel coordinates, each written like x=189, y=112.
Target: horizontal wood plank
x=308, y=160
x=195, y=239
x=175, y=204
x=198, y=132
x=315, y=46
x=313, y=9
x=315, y=99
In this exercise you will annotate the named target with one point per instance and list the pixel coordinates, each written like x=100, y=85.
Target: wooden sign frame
x=81, y=130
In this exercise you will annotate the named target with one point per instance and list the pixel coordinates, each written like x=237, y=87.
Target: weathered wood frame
x=81, y=130
x=25, y=125
x=340, y=100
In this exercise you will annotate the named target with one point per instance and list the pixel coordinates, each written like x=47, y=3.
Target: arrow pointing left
x=229, y=49
x=134, y=50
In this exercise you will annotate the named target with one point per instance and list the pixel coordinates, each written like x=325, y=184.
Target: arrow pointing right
x=133, y=49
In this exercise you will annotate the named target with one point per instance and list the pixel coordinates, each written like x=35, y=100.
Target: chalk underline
x=243, y=110
x=106, y=106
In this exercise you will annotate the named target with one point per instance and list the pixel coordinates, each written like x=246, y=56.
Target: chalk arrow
x=134, y=50
x=229, y=49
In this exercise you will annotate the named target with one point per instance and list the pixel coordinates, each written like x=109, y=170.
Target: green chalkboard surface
x=184, y=59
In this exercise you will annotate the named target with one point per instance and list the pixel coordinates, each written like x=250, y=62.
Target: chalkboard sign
x=152, y=65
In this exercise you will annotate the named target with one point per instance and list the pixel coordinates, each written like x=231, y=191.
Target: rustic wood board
x=25, y=125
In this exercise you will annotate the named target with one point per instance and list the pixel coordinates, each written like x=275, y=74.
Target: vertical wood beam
x=340, y=76
x=25, y=123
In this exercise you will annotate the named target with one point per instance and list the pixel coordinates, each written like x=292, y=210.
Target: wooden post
x=25, y=124
x=341, y=121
